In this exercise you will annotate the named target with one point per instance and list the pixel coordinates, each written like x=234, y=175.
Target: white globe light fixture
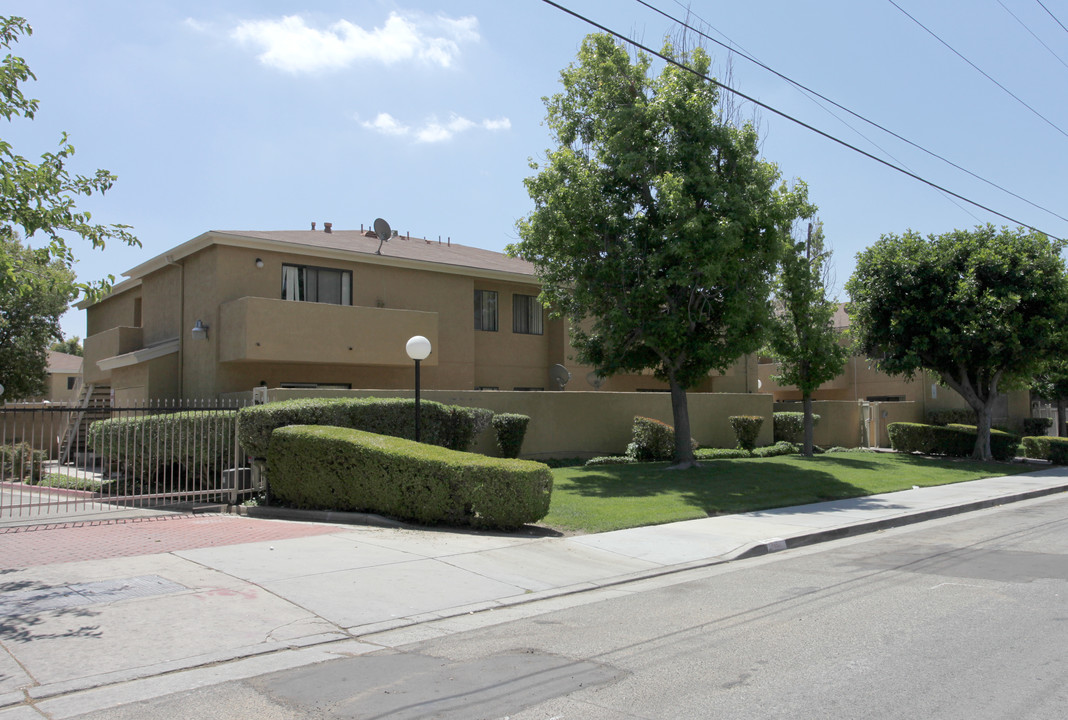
x=418, y=349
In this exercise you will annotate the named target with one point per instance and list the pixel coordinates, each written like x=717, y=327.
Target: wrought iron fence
x=62, y=462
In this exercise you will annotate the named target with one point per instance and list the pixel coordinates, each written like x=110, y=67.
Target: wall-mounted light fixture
x=200, y=331
x=259, y=262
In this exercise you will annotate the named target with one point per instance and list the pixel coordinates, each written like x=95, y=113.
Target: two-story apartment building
x=228, y=311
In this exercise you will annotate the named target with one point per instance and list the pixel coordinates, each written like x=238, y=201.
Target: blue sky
x=241, y=115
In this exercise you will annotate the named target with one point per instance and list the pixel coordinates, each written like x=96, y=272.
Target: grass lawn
x=611, y=497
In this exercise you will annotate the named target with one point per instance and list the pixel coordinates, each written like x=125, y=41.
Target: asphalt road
x=965, y=617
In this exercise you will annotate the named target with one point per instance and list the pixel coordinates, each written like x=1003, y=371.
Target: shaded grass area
x=612, y=497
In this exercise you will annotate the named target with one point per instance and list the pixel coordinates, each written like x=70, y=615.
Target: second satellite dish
x=560, y=374
x=595, y=380
x=383, y=231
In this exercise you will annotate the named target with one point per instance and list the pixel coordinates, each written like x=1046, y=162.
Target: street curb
x=777, y=544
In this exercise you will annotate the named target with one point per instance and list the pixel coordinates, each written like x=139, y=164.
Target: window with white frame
x=486, y=310
x=316, y=284
x=527, y=315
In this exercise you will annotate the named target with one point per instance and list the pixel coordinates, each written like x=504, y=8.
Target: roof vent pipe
x=328, y=227
x=313, y=225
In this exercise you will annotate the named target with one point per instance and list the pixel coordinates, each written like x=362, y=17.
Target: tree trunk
x=806, y=404
x=982, y=439
x=680, y=413
x=1062, y=421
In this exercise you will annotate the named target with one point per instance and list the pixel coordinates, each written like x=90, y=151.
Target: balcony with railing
x=253, y=329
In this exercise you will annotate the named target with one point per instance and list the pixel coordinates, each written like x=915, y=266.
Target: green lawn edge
x=615, y=497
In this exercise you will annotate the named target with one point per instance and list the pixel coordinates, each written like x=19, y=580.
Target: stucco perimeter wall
x=847, y=423
x=584, y=424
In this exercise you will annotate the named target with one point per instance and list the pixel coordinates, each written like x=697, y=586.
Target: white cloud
x=290, y=44
x=432, y=131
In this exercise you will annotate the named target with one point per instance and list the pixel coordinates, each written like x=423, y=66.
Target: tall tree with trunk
x=656, y=226
x=983, y=309
x=803, y=337
x=41, y=197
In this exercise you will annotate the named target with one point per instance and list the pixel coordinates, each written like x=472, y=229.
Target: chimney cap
x=328, y=227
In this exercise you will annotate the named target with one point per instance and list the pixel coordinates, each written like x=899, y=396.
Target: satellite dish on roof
x=595, y=379
x=383, y=232
x=560, y=374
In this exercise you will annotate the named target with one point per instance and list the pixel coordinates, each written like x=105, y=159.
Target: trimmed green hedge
x=790, y=426
x=449, y=426
x=746, y=429
x=1044, y=447
x=200, y=441
x=610, y=460
x=1033, y=426
x=333, y=468
x=722, y=454
x=780, y=448
x=511, y=429
x=651, y=440
x=954, y=441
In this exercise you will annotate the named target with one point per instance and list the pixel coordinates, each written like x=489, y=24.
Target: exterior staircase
x=93, y=403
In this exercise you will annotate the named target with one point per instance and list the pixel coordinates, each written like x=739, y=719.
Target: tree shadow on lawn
x=730, y=486
x=719, y=486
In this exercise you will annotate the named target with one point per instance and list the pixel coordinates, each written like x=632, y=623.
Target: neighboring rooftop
x=64, y=364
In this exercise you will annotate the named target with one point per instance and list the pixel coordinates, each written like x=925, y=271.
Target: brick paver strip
x=22, y=547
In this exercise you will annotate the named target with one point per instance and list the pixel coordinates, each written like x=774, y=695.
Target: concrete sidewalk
x=96, y=633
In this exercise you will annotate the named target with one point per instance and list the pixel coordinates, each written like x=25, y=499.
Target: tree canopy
x=983, y=309
x=42, y=197
x=656, y=225
x=803, y=338
x=29, y=316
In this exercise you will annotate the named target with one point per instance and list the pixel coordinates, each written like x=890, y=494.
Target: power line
x=1052, y=16
x=979, y=70
x=842, y=107
x=1036, y=37
x=792, y=119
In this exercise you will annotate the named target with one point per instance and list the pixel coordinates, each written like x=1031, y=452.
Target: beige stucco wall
x=586, y=424
x=120, y=309
x=105, y=344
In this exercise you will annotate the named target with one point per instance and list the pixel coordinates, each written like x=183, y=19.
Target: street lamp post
x=418, y=349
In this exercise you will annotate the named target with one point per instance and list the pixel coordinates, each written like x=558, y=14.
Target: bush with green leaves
x=450, y=426
x=19, y=461
x=511, y=429
x=1033, y=426
x=1044, y=447
x=333, y=468
x=653, y=440
x=950, y=440
x=964, y=416
x=790, y=426
x=610, y=460
x=780, y=448
x=746, y=429
x=722, y=454
x=199, y=442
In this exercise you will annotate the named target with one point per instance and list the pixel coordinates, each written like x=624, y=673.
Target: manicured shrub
x=449, y=426
x=653, y=440
x=20, y=461
x=780, y=448
x=1044, y=447
x=1036, y=426
x=722, y=453
x=954, y=441
x=948, y=417
x=333, y=468
x=511, y=429
x=790, y=426
x=200, y=442
x=610, y=460
x=746, y=429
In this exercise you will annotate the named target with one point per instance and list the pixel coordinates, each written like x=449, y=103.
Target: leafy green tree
x=983, y=309
x=29, y=315
x=70, y=346
x=803, y=337
x=656, y=226
x=1052, y=384
x=41, y=197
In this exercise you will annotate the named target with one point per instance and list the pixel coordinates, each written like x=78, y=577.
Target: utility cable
x=1036, y=37
x=1052, y=15
x=741, y=52
x=792, y=119
x=980, y=70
